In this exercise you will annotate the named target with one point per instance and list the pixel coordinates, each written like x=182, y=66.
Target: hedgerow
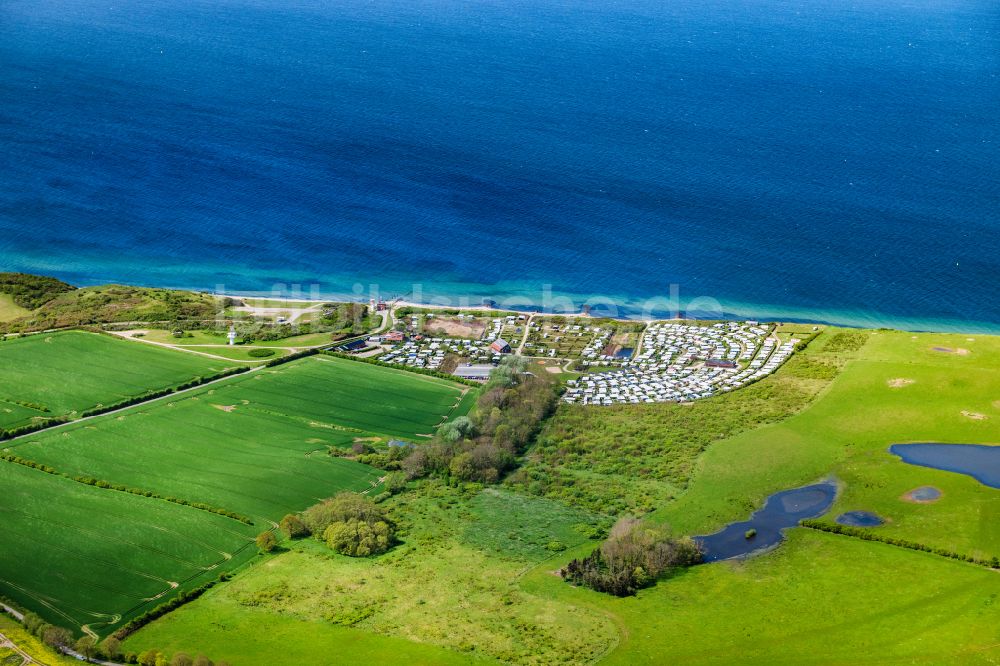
x=868, y=535
x=108, y=485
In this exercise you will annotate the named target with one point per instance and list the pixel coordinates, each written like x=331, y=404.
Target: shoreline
x=906, y=324
x=622, y=308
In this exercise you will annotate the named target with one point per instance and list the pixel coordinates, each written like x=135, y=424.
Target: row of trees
x=61, y=639
x=157, y=658
x=485, y=446
x=633, y=557
x=108, y=485
x=127, y=402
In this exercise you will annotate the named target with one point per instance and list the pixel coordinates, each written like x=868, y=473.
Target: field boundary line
x=84, y=419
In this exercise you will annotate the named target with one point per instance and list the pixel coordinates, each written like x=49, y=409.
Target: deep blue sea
x=823, y=159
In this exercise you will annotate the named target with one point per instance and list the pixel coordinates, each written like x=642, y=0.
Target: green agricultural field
x=62, y=374
x=79, y=555
x=474, y=563
x=257, y=445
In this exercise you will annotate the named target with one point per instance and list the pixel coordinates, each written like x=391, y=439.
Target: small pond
x=976, y=460
x=625, y=352
x=860, y=519
x=781, y=511
x=924, y=494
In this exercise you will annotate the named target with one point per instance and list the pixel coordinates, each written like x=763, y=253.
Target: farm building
x=500, y=346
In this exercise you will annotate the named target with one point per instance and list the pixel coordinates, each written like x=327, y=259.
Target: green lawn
x=61, y=374
x=847, y=432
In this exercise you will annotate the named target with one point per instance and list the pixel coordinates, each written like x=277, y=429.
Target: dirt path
x=642, y=338
x=130, y=335
x=527, y=334
x=11, y=645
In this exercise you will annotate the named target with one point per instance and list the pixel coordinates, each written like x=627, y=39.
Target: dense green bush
x=32, y=291
x=633, y=557
x=261, y=353
x=358, y=538
x=293, y=527
x=351, y=524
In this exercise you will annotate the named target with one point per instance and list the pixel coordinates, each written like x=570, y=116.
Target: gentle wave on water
x=816, y=162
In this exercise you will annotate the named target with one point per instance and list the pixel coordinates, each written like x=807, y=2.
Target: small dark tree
x=111, y=647
x=57, y=637
x=86, y=647
x=266, y=542
x=293, y=527
x=181, y=659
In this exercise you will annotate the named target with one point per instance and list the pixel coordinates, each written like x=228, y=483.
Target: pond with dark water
x=860, y=519
x=979, y=461
x=765, y=528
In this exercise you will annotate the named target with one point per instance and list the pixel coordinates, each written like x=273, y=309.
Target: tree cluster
x=484, y=447
x=633, y=557
x=349, y=524
x=52, y=635
x=32, y=291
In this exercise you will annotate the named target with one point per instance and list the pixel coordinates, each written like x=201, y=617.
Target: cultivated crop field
x=80, y=555
x=256, y=445
x=59, y=374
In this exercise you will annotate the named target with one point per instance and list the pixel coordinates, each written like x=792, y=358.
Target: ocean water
x=834, y=160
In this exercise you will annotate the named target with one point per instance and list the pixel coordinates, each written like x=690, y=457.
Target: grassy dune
x=9, y=309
